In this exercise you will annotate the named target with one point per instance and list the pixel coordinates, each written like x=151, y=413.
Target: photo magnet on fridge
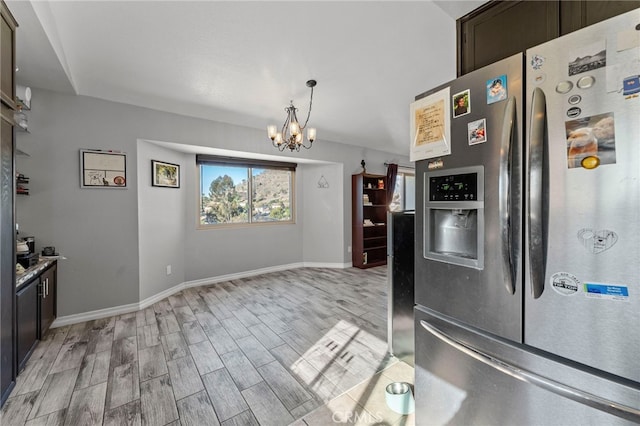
x=591, y=141
x=477, y=131
x=588, y=58
x=497, y=89
x=461, y=103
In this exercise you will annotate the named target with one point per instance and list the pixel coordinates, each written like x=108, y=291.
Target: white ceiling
x=241, y=62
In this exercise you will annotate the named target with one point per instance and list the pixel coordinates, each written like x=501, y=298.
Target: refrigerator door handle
x=558, y=388
x=537, y=196
x=504, y=200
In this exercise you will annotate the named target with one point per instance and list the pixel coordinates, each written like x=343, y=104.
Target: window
x=237, y=191
x=404, y=193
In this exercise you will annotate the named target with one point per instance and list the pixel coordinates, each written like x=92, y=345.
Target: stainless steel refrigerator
x=527, y=255
x=400, y=281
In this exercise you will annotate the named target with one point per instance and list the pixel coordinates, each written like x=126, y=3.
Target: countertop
x=34, y=271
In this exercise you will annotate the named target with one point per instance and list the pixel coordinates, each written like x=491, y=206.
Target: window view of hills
x=227, y=201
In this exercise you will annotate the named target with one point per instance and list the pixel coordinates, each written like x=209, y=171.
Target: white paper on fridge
x=628, y=40
x=618, y=73
x=431, y=126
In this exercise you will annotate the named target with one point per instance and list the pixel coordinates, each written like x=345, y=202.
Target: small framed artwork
x=103, y=169
x=166, y=175
x=461, y=103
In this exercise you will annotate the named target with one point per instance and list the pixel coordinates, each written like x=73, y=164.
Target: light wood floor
x=263, y=350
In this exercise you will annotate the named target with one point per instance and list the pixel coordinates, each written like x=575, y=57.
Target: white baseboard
x=92, y=315
x=328, y=265
x=145, y=303
x=246, y=274
x=133, y=307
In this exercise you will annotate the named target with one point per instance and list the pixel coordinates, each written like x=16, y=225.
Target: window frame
x=404, y=172
x=249, y=164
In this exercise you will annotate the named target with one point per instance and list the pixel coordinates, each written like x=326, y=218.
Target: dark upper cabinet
x=8, y=27
x=579, y=14
x=499, y=29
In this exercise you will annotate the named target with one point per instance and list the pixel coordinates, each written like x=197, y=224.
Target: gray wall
x=110, y=236
x=162, y=213
x=323, y=235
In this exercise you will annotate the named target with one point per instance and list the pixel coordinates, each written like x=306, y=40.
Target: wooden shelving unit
x=369, y=220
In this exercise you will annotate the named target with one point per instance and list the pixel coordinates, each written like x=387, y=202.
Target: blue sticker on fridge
x=606, y=291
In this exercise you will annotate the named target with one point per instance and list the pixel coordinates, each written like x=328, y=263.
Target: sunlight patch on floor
x=365, y=403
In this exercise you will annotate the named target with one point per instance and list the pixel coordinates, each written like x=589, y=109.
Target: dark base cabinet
x=47, y=300
x=27, y=316
x=35, y=311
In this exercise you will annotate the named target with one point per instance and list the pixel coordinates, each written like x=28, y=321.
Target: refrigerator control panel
x=462, y=187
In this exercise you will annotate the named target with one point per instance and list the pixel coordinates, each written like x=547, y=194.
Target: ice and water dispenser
x=454, y=216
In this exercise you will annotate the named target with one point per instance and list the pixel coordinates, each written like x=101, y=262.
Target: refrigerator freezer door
x=463, y=377
x=582, y=275
x=484, y=290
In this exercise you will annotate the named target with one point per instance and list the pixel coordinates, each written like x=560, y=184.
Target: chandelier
x=291, y=135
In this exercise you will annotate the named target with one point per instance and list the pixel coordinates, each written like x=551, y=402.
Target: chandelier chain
x=309, y=113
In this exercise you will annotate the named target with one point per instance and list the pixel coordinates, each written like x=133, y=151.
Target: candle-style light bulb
x=271, y=131
x=294, y=128
x=311, y=134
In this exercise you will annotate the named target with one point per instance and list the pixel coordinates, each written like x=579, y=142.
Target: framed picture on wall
x=166, y=175
x=103, y=169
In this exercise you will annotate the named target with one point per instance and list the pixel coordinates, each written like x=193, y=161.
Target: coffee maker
x=25, y=252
